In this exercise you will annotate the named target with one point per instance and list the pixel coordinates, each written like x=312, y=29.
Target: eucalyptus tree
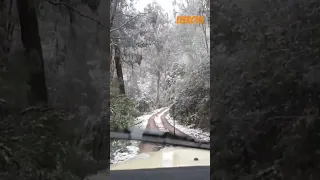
x=191, y=88
x=125, y=29
x=157, y=35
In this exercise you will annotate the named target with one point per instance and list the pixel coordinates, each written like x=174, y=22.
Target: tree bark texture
x=33, y=52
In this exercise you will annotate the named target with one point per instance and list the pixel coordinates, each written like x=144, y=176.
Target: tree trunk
x=113, y=12
x=204, y=30
x=100, y=149
x=112, y=64
x=33, y=51
x=119, y=69
x=80, y=88
x=6, y=27
x=158, y=89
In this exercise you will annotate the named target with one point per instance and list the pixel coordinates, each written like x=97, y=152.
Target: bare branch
x=127, y=15
x=116, y=37
x=76, y=11
x=89, y=17
x=115, y=29
x=113, y=12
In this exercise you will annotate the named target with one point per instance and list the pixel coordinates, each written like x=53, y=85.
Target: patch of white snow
x=193, y=132
x=158, y=121
x=131, y=148
x=143, y=120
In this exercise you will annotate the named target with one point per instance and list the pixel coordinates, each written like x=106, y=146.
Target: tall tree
x=115, y=10
x=157, y=36
x=33, y=51
x=117, y=59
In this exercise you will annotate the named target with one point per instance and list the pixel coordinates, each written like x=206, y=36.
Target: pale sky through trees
x=165, y=4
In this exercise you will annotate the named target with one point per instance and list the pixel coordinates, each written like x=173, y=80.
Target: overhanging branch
x=76, y=11
x=89, y=17
x=115, y=29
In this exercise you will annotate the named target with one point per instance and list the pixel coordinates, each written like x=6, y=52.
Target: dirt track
x=147, y=147
x=170, y=127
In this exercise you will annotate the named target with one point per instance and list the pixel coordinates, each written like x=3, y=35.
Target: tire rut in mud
x=170, y=128
x=149, y=147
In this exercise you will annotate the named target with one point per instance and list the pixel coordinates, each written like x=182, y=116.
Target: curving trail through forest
x=148, y=147
x=152, y=124
x=170, y=127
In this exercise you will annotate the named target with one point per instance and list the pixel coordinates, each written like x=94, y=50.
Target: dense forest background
x=162, y=63
x=62, y=68
x=54, y=91
x=265, y=89
x=69, y=66
x=158, y=63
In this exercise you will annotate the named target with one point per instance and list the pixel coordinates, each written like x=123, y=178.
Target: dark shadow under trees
x=33, y=52
x=265, y=90
x=38, y=139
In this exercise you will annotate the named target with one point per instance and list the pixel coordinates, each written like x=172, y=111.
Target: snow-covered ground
x=191, y=131
x=131, y=148
x=144, y=119
x=158, y=122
